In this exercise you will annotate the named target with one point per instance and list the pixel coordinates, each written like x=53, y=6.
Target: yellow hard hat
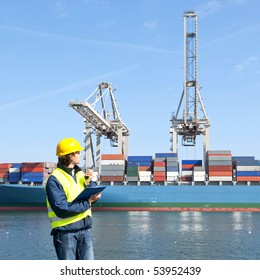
x=67, y=146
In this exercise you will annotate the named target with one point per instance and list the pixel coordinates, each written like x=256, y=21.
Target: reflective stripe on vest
x=72, y=190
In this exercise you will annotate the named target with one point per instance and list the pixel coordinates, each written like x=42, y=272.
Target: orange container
x=32, y=169
x=159, y=164
x=144, y=168
x=5, y=165
x=159, y=173
x=189, y=166
x=248, y=178
x=220, y=173
x=4, y=175
x=113, y=156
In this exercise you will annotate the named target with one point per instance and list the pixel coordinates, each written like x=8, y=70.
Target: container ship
x=219, y=182
x=148, y=183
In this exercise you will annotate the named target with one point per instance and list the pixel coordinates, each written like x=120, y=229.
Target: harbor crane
x=190, y=124
x=102, y=118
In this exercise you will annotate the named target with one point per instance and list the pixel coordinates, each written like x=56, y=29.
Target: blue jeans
x=76, y=245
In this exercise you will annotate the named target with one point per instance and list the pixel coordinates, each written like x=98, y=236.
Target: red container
x=220, y=155
x=33, y=164
x=158, y=178
x=112, y=178
x=219, y=168
x=186, y=178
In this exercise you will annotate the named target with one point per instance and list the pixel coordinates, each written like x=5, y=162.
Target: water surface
x=140, y=235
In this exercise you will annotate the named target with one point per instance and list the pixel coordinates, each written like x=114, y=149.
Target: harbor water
x=140, y=236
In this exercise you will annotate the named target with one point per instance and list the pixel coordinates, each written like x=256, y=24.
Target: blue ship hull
x=146, y=198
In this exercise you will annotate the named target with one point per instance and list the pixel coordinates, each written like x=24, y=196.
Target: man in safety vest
x=70, y=220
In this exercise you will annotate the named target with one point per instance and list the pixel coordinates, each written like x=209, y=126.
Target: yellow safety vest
x=72, y=190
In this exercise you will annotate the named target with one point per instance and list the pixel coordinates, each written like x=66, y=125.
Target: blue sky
x=53, y=52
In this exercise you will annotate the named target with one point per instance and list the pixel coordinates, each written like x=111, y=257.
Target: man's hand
x=88, y=176
x=95, y=197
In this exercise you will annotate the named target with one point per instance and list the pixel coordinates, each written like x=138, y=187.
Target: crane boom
x=101, y=124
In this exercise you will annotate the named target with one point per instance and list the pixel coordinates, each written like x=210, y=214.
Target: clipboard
x=88, y=191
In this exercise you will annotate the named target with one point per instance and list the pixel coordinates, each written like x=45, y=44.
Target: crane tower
x=194, y=120
x=102, y=118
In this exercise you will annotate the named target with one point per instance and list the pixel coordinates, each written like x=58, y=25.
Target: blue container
x=34, y=177
x=14, y=177
x=248, y=173
x=243, y=158
x=192, y=161
x=247, y=163
x=165, y=155
x=139, y=163
x=140, y=158
x=17, y=165
x=172, y=168
x=132, y=163
x=145, y=163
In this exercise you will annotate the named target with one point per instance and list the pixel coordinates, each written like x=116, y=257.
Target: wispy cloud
x=238, y=34
x=84, y=41
x=237, y=1
x=67, y=88
x=239, y=68
x=209, y=8
x=61, y=9
x=151, y=25
x=107, y=24
x=213, y=6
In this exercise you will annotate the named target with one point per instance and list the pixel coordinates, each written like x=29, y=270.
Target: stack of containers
x=199, y=174
x=15, y=173
x=159, y=167
x=112, y=168
x=219, y=165
x=36, y=172
x=139, y=168
x=132, y=172
x=4, y=171
x=145, y=176
x=247, y=169
x=172, y=167
x=187, y=171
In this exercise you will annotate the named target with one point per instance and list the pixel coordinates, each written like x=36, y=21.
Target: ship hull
x=21, y=197
x=181, y=198
x=145, y=198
